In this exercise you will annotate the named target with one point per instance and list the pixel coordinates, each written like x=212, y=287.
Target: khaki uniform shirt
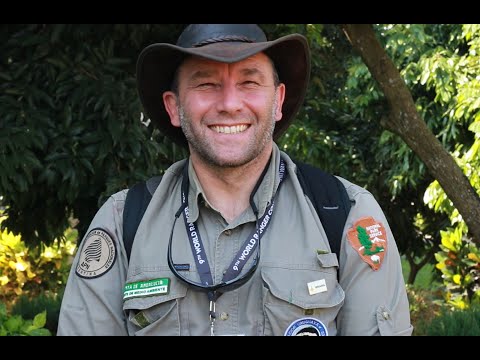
x=294, y=290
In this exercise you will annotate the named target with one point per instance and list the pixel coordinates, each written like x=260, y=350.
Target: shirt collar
x=262, y=198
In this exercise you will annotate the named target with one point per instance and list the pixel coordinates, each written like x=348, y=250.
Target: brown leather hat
x=227, y=43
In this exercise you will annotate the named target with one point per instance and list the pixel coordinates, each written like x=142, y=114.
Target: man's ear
x=280, y=94
x=171, y=105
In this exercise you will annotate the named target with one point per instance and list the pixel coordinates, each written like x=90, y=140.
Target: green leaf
x=55, y=157
x=425, y=76
x=13, y=91
x=56, y=62
x=88, y=165
x=77, y=129
x=448, y=243
x=101, y=100
x=106, y=111
x=475, y=127
x=40, y=319
x=5, y=76
x=13, y=324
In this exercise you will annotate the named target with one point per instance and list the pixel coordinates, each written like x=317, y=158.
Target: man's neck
x=229, y=189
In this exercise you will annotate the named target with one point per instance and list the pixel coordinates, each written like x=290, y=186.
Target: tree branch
x=405, y=121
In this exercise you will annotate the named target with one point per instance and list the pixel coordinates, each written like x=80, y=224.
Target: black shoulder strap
x=330, y=199
x=136, y=202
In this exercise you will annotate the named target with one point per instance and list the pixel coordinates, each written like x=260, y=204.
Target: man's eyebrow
x=201, y=74
x=252, y=71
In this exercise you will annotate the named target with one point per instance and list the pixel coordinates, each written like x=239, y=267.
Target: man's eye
x=250, y=84
x=207, y=85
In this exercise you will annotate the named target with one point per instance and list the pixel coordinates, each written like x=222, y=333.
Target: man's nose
x=230, y=98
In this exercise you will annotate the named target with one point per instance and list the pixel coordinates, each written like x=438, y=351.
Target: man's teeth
x=230, y=129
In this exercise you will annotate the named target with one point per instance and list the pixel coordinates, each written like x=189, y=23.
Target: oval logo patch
x=97, y=256
x=307, y=326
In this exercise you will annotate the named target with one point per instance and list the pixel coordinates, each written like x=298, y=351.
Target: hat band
x=225, y=38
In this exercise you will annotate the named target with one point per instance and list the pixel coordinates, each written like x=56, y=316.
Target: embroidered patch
x=97, y=256
x=159, y=286
x=307, y=326
x=369, y=238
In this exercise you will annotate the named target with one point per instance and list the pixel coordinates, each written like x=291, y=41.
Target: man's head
x=227, y=43
x=227, y=111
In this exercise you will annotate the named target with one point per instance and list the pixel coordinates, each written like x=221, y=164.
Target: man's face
x=227, y=111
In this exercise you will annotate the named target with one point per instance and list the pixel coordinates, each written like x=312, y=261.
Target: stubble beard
x=205, y=150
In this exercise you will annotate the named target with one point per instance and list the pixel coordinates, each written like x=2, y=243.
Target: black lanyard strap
x=231, y=279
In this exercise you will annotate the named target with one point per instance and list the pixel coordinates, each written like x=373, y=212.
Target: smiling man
x=229, y=243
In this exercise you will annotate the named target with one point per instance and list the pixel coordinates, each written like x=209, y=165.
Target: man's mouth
x=236, y=129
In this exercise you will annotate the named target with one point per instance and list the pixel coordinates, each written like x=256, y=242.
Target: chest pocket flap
x=305, y=287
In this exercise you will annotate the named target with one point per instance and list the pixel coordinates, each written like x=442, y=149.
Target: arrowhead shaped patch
x=369, y=238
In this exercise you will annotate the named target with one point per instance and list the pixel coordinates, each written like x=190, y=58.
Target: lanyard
x=242, y=256
x=245, y=252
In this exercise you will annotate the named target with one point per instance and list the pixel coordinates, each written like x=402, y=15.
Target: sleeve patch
x=369, y=238
x=97, y=256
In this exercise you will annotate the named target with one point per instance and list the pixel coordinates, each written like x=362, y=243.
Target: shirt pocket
x=296, y=293
x=156, y=314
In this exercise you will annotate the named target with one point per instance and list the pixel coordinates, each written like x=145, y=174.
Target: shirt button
x=228, y=232
x=223, y=316
x=386, y=315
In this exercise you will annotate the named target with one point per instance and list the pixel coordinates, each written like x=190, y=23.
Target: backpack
x=325, y=191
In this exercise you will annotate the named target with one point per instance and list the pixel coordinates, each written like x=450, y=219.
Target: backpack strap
x=136, y=202
x=330, y=199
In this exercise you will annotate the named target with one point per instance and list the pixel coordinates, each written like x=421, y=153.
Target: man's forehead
x=196, y=63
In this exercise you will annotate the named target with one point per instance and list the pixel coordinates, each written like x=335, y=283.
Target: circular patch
x=307, y=326
x=97, y=256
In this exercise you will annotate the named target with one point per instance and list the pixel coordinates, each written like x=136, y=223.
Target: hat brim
x=157, y=65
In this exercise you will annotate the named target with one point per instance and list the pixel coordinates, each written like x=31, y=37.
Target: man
x=228, y=93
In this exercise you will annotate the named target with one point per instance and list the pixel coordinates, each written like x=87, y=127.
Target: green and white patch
x=160, y=286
